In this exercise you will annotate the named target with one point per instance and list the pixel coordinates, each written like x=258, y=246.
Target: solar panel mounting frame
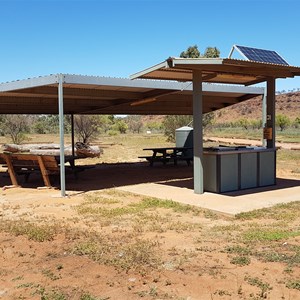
x=259, y=55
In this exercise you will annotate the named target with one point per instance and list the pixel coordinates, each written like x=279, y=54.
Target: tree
x=86, y=127
x=171, y=123
x=297, y=122
x=2, y=125
x=191, y=52
x=211, y=52
x=120, y=125
x=105, y=123
x=282, y=121
x=256, y=124
x=154, y=126
x=16, y=126
x=208, y=119
x=134, y=123
x=245, y=123
x=44, y=124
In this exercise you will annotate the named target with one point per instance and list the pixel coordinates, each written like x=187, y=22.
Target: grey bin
x=184, y=138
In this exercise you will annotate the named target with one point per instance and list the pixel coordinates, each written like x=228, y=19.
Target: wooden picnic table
x=166, y=154
x=26, y=163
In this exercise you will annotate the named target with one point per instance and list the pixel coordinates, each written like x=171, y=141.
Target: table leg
x=165, y=157
x=153, y=158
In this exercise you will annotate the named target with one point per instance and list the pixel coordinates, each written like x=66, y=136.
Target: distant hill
x=287, y=104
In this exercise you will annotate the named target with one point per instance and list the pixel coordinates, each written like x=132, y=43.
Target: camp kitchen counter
x=236, y=168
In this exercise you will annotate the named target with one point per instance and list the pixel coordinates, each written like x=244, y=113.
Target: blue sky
x=120, y=37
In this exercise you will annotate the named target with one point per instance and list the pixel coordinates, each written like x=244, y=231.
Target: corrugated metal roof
x=85, y=94
x=217, y=70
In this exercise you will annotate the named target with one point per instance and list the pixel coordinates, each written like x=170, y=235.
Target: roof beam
x=248, y=70
x=78, y=92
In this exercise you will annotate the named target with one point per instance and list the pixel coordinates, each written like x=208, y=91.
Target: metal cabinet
x=226, y=171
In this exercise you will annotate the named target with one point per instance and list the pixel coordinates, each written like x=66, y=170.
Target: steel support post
x=271, y=112
x=61, y=135
x=198, y=132
x=72, y=135
x=264, y=115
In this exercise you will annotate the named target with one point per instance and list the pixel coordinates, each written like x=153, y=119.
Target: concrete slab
x=169, y=182
x=230, y=203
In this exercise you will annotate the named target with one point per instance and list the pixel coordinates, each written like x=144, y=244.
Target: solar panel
x=261, y=55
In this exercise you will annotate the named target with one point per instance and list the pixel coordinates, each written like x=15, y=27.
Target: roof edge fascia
x=124, y=82
x=151, y=69
x=158, y=84
x=29, y=83
x=238, y=89
x=173, y=61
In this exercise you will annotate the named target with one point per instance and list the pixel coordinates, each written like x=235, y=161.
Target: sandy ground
x=178, y=255
x=194, y=264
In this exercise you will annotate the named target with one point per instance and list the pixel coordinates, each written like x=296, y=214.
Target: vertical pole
x=72, y=133
x=61, y=135
x=198, y=134
x=271, y=111
x=264, y=115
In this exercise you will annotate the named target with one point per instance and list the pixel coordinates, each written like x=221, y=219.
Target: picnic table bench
x=25, y=164
x=167, y=154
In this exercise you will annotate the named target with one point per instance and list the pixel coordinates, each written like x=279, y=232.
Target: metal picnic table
x=166, y=154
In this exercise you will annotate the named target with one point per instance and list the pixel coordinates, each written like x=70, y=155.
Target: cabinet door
x=267, y=168
x=229, y=173
x=248, y=170
x=210, y=173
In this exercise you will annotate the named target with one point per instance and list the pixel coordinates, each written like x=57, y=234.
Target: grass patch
x=105, y=212
x=240, y=260
x=141, y=255
x=149, y=203
x=264, y=286
x=51, y=295
x=87, y=296
x=288, y=254
x=37, y=233
x=146, y=203
x=226, y=228
x=289, y=135
x=50, y=274
x=95, y=198
x=243, y=258
x=269, y=235
x=293, y=284
x=56, y=294
x=286, y=211
x=288, y=160
x=288, y=155
x=237, y=249
x=222, y=293
x=228, y=233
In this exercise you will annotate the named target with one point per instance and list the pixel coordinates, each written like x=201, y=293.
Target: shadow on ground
x=282, y=183
x=104, y=176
